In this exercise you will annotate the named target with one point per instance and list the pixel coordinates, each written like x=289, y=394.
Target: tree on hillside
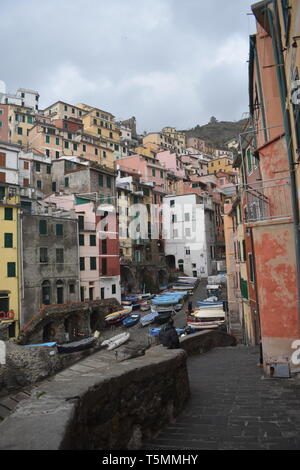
x=213, y=120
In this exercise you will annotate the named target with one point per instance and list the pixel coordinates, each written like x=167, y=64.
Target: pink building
x=149, y=169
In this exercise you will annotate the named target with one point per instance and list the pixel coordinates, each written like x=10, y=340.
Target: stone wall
x=73, y=318
x=104, y=404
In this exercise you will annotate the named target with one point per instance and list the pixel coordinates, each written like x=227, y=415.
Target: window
x=47, y=139
x=81, y=222
x=104, y=266
x=8, y=213
x=161, y=174
x=8, y=240
x=187, y=232
x=92, y=240
x=153, y=172
x=72, y=288
x=54, y=186
x=251, y=267
x=59, y=255
x=25, y=182
x=48, y=152
x=93, y=263
x=104, y=246
x=66, y=107
x=249, y=161
x=66, y=144
x=37, y=167
x=187, y=217
x=84, y=147
x=100, y=180
x=20, y=131
x=81, y=239
x=113, y=289
x=11, y=269
x=187, y=250
x=43, y=227
x=75, y=146
x=48, y=169
x=59, y=230
x=56, y=154
x=82, y=264
x=96, y=151
x=39, y=184
x=66, y=182
x=57, y=140
x=172, y=203
x=2, y=159
x=43, y=255
x=108, y=181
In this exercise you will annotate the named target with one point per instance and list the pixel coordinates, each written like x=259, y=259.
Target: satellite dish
x=2, y=87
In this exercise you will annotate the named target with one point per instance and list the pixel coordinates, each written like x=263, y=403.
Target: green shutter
x=59, y=230
x=8, y=240
x=43, y=227
x=249, y=160
x=8, y=213
x=11, y=269
x=100, y=180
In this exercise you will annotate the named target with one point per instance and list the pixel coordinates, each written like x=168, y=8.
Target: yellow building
x=9, y=253
x=20, y=120
x=165, y=141
x=223, y=163
x=176, y=135
x=101, y=124
x=146, y=151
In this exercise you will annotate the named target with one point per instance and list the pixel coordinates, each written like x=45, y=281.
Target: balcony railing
x=268, y=200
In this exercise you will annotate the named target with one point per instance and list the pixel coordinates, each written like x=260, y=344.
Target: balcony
x=268, y=200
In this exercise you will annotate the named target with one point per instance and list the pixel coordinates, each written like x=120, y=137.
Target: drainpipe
x=279, y=59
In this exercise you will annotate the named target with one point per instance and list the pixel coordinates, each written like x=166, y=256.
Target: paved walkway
x=234, y=407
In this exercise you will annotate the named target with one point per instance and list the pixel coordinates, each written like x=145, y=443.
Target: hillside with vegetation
x=217, y=133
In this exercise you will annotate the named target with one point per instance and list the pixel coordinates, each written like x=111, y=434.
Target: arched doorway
x=46, y=293
x=181, y=265
x=170, y=261
x=49, y=332
x=127, y=279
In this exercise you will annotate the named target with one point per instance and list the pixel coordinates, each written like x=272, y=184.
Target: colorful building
x=10, y=272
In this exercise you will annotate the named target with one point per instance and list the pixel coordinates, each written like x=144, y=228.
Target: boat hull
x=76, y=346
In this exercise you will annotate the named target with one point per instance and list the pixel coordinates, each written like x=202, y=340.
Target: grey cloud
x=168, y=62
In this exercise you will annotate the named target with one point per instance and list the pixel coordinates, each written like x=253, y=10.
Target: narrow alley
x=233, y=406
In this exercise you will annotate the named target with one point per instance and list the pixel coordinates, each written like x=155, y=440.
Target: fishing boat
x=75, y=346
x=132, y=320
x=115, y=341
x=168, y=301
x=206, y=318
x=213, y=290
x=148, y=319
x=116, y=318
x=163, y=317
x=180, y=331
x=42, y=345
x=146, y=306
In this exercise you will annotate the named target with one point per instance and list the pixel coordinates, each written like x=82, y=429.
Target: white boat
x=206, y=319
x=116, y=341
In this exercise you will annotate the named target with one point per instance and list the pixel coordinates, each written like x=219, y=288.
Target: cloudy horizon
x=166, y=62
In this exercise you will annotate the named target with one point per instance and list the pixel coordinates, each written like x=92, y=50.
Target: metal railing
x=268, y=200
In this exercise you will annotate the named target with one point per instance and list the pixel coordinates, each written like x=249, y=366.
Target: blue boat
x=133, y=319
x=41, y=345
x=208, y=304
x=148, y=319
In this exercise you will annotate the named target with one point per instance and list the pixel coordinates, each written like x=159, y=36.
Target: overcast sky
x=166, y=62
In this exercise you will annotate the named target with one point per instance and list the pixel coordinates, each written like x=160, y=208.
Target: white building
x=188, y=226
x=23, y=97
x=9, y=165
